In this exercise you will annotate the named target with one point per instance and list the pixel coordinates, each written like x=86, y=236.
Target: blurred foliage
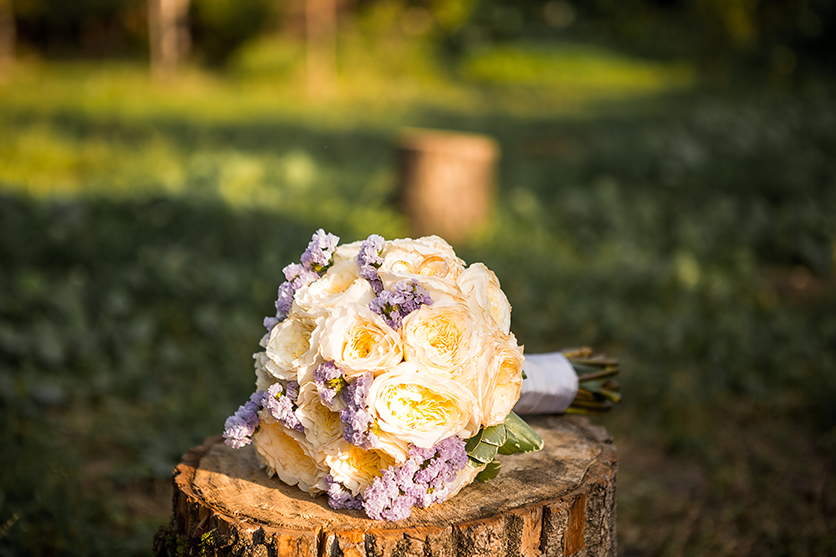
x=220, y=27
x=730, y=39
x=143, y=229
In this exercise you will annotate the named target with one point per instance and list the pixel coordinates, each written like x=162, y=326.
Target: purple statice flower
x=369, y=260
x=329, y=382
x=405, y=297
x=315, y=260
x=441, y=469
x=281, y=408
x=341, y=498
x=425, y=478
x=320, y=250
x=270, y=322
x=359, y=426
x=296, y=277
x=383, y=499
x=291, y=391
x=240, y=427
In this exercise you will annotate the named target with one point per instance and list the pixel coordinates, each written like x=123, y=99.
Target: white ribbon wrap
x=550, y=387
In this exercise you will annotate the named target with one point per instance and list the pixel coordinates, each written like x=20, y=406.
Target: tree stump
x=446, y=181
x=559, y=501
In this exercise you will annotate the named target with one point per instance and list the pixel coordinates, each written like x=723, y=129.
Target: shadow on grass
x=692, y=240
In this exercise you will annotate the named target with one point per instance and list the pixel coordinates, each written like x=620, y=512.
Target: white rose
x=288, y=457
x=429, y=258
x=443, y=336
x=358, y=340
x=263, y=378
x=347, y=252
x=501, y=389
x=322, y=425
x=354, y=467
x=413, y=405
x=481, y=288
x=341, y=284
x=289, y=341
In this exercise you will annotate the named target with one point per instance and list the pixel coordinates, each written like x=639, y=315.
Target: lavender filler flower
x=315, y=260
x=341, y=498
x=329, y=381
x=405, y=297
x=359, y=425
x=240, y=427
x=370, y=261
x=425, y=478
x=280, y=404
x=320, y=249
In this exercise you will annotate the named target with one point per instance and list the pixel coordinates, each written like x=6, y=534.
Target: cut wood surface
x=558, y=501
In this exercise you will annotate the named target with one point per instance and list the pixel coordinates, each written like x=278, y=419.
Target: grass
x=143, y=229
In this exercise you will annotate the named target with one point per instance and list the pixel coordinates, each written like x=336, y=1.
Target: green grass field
x=143, y=229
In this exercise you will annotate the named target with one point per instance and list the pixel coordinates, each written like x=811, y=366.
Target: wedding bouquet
x=388, y=376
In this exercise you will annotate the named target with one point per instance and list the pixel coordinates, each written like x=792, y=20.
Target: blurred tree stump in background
x=321, y=45
x=8, y=35
x=168, y=33
x=557, y=501
x=446, y=181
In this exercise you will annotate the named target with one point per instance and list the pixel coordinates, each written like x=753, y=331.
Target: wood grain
x=558, y=501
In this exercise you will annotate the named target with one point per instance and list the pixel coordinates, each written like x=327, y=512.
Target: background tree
x=7, y=33
x=168, y=33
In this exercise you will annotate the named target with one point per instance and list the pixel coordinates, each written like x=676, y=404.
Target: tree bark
x=169, y=36
x=446, y=182
x=559, y=501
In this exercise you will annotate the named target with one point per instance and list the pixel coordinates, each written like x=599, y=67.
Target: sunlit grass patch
x=575, y=71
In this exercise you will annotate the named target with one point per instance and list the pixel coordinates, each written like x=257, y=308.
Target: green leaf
x=473, y=442
x=521, y=438
x=494, y=435
x=490, y=471
x=483, y=453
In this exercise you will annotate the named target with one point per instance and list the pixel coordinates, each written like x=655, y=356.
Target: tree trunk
x=169, y=36
x=321, y=44
x=559, y=501
x=446, y=182
x=8, y=34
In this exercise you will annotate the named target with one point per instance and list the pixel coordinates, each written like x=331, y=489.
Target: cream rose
x=288, y=457
x=429, y=258
x=354, y=467
x=443, y=336
x=322, y=425
x=289, y=341
x=414, y=405
x=341, y=284
x=358, y=340
x=501, y=389
x=485, y=296
x=263, y=378
x=347, y=252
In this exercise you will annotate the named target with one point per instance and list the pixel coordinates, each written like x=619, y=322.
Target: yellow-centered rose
x=427, y=259
x=485, y=297
x=443, y=337
x=354, y=467
x=290, y=458
x=414, y=405
x=501, y=390
x=358, y=340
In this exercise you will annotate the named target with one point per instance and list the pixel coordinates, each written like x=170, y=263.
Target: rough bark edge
x=580, y=523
